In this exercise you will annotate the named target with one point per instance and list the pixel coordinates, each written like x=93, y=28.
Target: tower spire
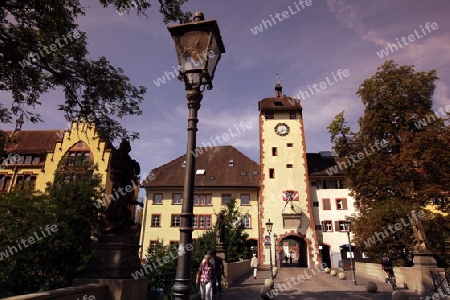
x=278, y=88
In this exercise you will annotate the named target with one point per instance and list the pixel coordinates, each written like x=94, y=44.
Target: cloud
x=351, y=17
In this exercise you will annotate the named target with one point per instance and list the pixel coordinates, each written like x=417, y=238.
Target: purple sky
x=308, y=45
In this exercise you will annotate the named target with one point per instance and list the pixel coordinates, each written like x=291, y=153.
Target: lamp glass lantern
x=19, y=123
x=199, y=47
x=269, y=226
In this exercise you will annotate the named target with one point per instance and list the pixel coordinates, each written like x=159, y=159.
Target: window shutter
x=336, y=226
x=344, y=201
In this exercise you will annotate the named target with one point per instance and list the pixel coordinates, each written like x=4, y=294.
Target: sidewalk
x=317, y=286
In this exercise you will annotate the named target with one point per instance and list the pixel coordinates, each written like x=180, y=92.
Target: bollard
x=371, y=287
x=342, y=275
x=327, y=270
x=333, y=272
x=263, y=292
x=399, y=295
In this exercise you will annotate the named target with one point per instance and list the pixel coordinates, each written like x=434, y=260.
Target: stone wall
x=236, y=270
x=416, y=279
x=89, y=292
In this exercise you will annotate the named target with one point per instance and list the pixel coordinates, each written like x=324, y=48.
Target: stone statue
x=124, y=173
x=220, y=227
x=419, y=233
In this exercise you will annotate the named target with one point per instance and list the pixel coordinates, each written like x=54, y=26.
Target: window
x=36, y=160
x=292, y=115
x=316, y=203
x=201, y=222
x=274, y=151
x=271, y=173
x=342, y=225
x=326, y=204
x=156, y=220
x=5, y=180
x=157, y=198
x=289, y=166
x=225, y=198
x=202, y=199
x=243, y=173
x=340, y=184
x=26, y=182
x=176, y=198
x=76, y=158
x=245, y=199
x=269, y=115
x=176, y=219
x=327, y=226
x=289, y=145
x=341, y=204
x=153, y=246
x=246, y=221
x=28, y=159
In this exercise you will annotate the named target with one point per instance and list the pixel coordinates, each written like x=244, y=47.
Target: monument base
x=220, y=251
x=424, y=259
x=115, y=256
x=424, y=262
x=119, y=289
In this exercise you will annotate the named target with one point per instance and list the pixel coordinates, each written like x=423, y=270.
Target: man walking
x=254, y=265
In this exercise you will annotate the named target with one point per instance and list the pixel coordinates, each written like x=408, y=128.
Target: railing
x=441, y=282
x=164, y=282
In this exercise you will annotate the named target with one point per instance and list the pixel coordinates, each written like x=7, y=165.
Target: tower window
x=289, y=166
x=274, y=151
x=289, y=145
x=269, y=115
x=292, y=115
x=278, y=103
x=271, y=173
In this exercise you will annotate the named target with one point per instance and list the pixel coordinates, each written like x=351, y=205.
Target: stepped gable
x=221, y=166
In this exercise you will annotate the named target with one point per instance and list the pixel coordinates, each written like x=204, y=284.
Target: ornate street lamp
x=269, y=226
x=199, y=47
x=352, y=263
x=275, y=236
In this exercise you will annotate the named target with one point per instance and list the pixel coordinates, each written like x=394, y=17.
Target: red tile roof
x=33, y=141
x=279, y=103
x=223, y=166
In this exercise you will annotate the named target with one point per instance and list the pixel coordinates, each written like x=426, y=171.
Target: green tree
x=400, y=155
x=53, y=260
x=41, y=49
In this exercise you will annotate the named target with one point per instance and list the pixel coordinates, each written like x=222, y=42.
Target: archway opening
x=292, y=252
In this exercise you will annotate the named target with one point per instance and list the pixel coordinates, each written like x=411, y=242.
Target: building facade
x=221, y=173
x=301, y=193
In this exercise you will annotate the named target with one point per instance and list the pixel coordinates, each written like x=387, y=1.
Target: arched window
x=77, y=163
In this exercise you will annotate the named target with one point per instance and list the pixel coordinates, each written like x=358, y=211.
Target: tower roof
x=282, y=103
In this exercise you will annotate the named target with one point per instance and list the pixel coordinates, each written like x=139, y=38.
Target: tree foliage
x=42, y=48
x=57, y=258
x=399, y=160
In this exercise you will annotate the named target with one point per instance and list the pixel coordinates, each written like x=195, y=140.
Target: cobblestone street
x=317, y=286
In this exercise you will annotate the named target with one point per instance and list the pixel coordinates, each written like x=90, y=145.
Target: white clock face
x=282, y=129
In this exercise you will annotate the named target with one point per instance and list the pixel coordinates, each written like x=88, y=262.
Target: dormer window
x=200, y=172
x=231, y=163
x=278, y=103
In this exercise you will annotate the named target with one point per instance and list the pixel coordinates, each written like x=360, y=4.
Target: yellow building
x=33, y=157
x=221, y=173
x=285, y=187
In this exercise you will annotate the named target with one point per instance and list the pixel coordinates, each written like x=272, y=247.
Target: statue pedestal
x=424, y=259
x=220, y=251
x=115, y=256
x=424, y=262
x=114, y=261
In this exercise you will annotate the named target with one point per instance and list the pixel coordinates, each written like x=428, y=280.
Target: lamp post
x=198, y=47
x=275, y=236
x=352, y=264
x=269, y=226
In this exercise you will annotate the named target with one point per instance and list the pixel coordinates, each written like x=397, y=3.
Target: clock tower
x=285, y=190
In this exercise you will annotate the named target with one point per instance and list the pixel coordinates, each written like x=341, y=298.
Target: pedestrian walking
x=205, y=278
x=254, y=265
